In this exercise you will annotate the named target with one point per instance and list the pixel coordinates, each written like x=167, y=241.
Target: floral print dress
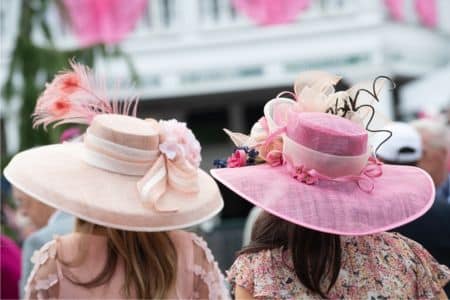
x=380, y=266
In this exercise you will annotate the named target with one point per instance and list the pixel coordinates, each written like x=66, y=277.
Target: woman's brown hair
x=142, y=253
x=316, y=255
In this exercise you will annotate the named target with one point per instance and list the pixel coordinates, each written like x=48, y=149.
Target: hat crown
x=126, y=131
x=327, y=133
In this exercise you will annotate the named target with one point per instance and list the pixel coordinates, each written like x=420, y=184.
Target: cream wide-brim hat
x=59, y=176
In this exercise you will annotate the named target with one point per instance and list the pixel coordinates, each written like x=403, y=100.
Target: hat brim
x=401, y=195
x=57, y=176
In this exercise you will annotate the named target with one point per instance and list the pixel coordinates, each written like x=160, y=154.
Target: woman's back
x=56, y=267
x=379, y=266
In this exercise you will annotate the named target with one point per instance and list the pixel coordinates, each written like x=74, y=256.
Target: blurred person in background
x=405, y=148
x=10, y=268
x=46, y=220
x=436, y=144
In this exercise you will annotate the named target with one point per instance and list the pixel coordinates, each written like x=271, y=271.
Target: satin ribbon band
x=118, y=151
x=157, y=170
x=106, y=162
x=309, y=166
x=330, y=165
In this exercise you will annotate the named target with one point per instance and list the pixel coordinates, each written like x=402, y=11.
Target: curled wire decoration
x=349, y=105
x=293, y=95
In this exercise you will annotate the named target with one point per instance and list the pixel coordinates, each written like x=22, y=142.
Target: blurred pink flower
x=237, y=159
x=178, y=142
x=427, y=11
x=69, y=134
x=396, y=9
x=270, y=12
x=104, y=21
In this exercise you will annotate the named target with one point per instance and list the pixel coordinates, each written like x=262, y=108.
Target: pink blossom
x=274, y=158
x=275, y=145
x=304, y=175
x=237, y=159
x=178, y=142
x=69, y=134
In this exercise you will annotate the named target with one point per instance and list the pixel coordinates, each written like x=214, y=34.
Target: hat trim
x=115, y=226
x=337, y=232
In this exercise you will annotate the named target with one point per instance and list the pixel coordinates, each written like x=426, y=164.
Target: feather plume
x=77, y=96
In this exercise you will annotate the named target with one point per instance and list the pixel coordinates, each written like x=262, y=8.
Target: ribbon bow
x=159, y=171
x=177, y=173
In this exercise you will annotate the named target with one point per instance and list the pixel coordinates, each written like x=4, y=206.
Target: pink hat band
x=138, y=155
x=320, y=146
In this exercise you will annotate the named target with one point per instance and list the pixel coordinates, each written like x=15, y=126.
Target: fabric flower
x=276, y=145
x=178, y=142
x=304, y=175
x=237, y=159
x=274, y=158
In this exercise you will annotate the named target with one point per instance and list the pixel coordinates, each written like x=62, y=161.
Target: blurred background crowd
x=213, y=64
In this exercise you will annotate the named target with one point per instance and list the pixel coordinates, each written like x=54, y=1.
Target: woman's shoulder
x=396, y=254
x=390, y=241
x=44, y=277
x=264, y=273
x=264, y=259
x=197, y=260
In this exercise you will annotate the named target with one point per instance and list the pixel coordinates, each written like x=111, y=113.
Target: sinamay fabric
x=58, y=176
x=334, y=207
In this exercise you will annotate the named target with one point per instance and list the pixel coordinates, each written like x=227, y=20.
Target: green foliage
x=32, y=65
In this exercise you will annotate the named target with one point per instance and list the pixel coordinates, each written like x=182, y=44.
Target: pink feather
x=77, y=96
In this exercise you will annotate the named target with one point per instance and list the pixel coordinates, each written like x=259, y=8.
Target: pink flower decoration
x=178, y=142
x=104, y=21
x=395, y=8
x=302, y=174
x=237, y=159
x=427, y=12
x=275, y=146
x=274, y=158
x=69, y=134
x=306, y=176
x=270, y=12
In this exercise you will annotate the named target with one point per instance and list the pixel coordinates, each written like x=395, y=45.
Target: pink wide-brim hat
x=328, y=181
x=117, y=177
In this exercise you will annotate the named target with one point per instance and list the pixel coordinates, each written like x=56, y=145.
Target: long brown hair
x=141, y=252
x=316, y=255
